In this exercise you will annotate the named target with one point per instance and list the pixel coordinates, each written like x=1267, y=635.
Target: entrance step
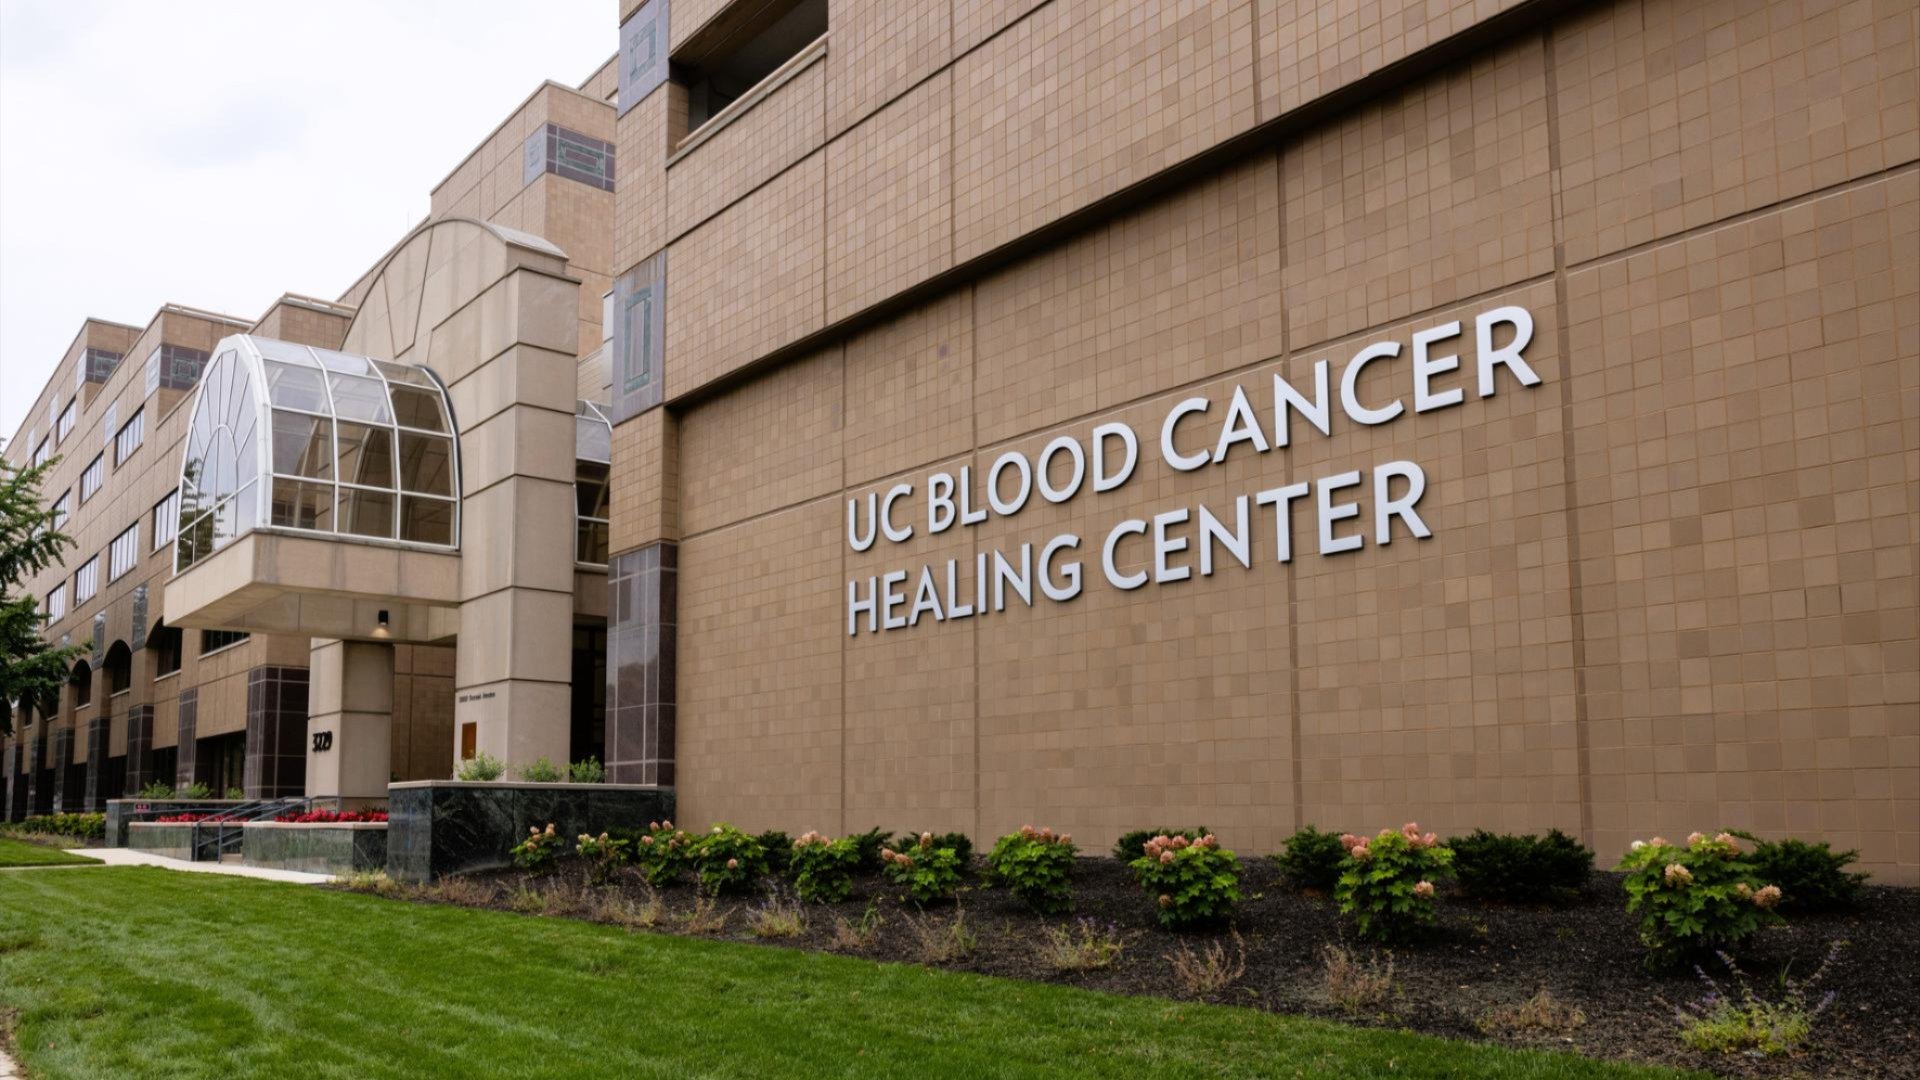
x=230, y=857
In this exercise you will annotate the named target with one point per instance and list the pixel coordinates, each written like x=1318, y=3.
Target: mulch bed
x=1482, y=958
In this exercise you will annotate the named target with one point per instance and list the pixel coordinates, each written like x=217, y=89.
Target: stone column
x=184, y=740
x=349, y=729
x=513, y=669
x=276, y=764
x=62, y=759
x=96, y=762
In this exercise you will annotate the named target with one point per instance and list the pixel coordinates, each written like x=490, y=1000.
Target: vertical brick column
x=641, y=652
x=96, y=761
x=139, y=751
x=276, y=762
x=62, y=758
x=184, y=741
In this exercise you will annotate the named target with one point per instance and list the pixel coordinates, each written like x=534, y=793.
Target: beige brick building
x=1248, y=412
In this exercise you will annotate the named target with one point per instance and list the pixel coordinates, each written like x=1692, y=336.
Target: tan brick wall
x=889, y=222
x=747, y=153
x=1673, y=585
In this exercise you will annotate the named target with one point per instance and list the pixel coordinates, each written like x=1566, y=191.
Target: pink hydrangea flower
x=733, y=864
x=1424, y=890
x=1361, y=852
x=1166, y=857
x=1678, y=875
x=1767, y=898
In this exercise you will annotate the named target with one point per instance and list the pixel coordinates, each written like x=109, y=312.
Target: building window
x=166, y=519
x=42, y=452
x=86, y=580
x=590, y=512
x=174, y=367
x=130, y=437
x=91, y=480
x=164, y=640
x=63, y=508
x=67, y=417
x=719, y=68
x=96, y=365
x=57, y=603
x=124, y=554
x=110, y=424
x=554, y=149
x=215, y=640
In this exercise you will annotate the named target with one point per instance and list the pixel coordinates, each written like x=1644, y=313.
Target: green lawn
x=139, y=972
x=20, y=853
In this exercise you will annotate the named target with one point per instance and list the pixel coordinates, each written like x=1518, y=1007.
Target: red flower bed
x=331, y=817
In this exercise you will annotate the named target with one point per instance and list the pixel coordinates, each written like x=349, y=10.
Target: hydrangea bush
x=1695, y=898
x=1192, y=882
x=536, y=852
x=602, y=854
x=1035, y=865
x=823, y=869
x=662, y=853
x=927, y=871
x=1386, y=884
x=728, y=860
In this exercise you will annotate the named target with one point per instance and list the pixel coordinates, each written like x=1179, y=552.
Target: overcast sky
x=218, y=154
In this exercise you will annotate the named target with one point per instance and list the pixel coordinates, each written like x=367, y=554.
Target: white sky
x=217, y=153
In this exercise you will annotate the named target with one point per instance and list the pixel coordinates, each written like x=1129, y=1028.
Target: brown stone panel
x=974, y=21
x=1083, y=98
x=749, y=150
x=759, y=677
x=1118, y=709
x=1437, y=675
x=1310, y=48
x=889, y=204
x=1676, y=114
x=1184, y=288
x=749, y=280
x=879, y=49
x=910, y=694
x=1439, y=192
x=792, y=456
x=1748, y=529
x=640, y=186
x=909, y=389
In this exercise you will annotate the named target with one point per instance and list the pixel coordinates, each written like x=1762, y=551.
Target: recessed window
x=86, y=580
x=63, y=508
x=57, y=603
x=166, y=519
x=91, y=480
x=130, y=437
x=735, y=51
x=67, y=418
x=215, y=640
x=42, y=452
x=164, y=640
x=124, y=554
x=110, y=424
x=592, y=453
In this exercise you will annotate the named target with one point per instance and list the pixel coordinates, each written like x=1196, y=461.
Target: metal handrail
x=231, y=821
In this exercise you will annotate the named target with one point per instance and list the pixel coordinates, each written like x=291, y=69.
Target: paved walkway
x=130, y=857
x=8, y=1070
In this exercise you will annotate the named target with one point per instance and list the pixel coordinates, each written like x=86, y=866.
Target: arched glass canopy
x=293, y=438
x=592, y=461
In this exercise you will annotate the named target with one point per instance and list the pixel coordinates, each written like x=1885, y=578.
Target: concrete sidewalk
x=129, y=857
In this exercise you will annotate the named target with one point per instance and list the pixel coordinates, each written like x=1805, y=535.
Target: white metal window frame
x=166, y=520
x=94, y=478
x=86, y=581
x=57, y=603
x=124, y=553
x=132, y=434
x=68, y=417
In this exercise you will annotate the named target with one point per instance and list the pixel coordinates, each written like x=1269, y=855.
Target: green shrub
x=1387, y=883
x=1311, y=859
x=81, y=826
x=663, y=853
x=1740, y=1021
x=603, y=855
x=1192, y=882
x=481, y=766
x=195, y=790
x=536, y=852
x=823, y=869
x=870, y=844
x=1521, y=869
x=727, y=860
x=1695, y=899
x=961, y=844
x=1133, y=844
x=928, y=873
x=588, y=770
x=159, y=789
x=1814, y=877
x=1035, y=865
x=540, y=771
x=779, y=848
x=236, y=793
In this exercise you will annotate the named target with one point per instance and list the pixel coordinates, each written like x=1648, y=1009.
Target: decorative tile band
x=567, y=153
x=642, y=654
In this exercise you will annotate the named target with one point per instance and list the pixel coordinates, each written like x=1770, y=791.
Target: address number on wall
x=322, y=741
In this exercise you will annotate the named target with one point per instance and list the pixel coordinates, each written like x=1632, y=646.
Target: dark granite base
x=120, y=812
x=173, y=841
x=316, y=849
x=441, y=827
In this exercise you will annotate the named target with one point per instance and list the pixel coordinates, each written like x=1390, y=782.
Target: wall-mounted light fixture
x=381, y=626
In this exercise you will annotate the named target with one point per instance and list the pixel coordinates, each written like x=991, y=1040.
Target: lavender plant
x=1737, y=1020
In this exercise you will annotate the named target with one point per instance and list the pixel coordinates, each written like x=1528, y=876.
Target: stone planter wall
x=175, y=841
x=320, y=848
x=122, y=812
x=441, y=827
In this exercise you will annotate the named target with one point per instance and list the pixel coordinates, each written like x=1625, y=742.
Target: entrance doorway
x=588, y=737
x=221, y=762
